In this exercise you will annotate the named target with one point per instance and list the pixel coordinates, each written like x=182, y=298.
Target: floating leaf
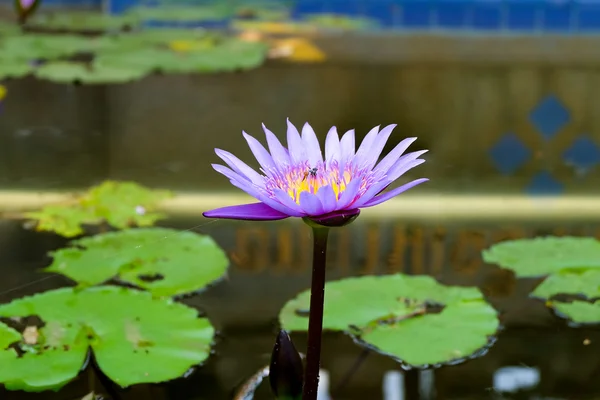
x=67, y=72
x=31, y=47
x=180, y=13
x=166, y=262
x=51, y=363
x=125, y=204
x=584, y=282
x=65, y=220
x=121, y=204
x=340, y=22
x=83, y=20
x=135, y=338
x=545, y=255
x=580, y=312
x=14, y=68
x=400, y=316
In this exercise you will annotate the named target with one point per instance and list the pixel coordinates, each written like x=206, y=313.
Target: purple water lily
x=299, y=182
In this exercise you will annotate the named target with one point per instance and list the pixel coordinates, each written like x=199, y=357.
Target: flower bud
x=286, y=370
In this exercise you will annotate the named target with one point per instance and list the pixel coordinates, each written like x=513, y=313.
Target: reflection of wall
x=493, y=128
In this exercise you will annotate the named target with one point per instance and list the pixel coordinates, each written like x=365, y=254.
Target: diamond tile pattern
x=583, y=153
x=509, y=154
x=549, y=116
x=544, y=184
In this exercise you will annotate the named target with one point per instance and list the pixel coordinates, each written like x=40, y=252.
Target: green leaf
x=82, y=20
x=8, y=336
x=135, y=338
x=584, y=282
x=121, y=204
x=165, y=262
x=30, y=47
x=67, y=72
x=14, y=68
x=545, y=255
x=181, y=13
x=580, y=312
x=390, y=313
x=65, y=220
x=125, y=204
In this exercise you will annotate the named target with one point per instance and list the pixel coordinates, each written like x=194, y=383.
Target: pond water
x=488, y=125
x=270, y=264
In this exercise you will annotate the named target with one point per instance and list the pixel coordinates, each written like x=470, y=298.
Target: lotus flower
x=299, y=182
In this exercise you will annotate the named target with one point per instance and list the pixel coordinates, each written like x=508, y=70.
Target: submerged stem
x=315, y=319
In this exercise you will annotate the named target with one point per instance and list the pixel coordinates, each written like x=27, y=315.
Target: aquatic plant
x=25, y=9
x=413, y=319
x=120, y=204
x=325, y=192
x=134, y=337
x=163, y=261
x=569, y=266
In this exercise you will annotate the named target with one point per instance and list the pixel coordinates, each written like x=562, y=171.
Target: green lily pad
x=340, y=22
x=125, y=204
x=163, y=261
x=38, y=46
x=68, y=72
x=580, y=312
x=83, y=20
x=545, y=255
x=135, y=338
x=65, y=220
x=181, y=13
x=121, y=204
x=391, y=314
x=229, y=55
x=14, y=68
x=584, y=282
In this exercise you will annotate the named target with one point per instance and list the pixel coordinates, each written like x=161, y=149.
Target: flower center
x=306, y=178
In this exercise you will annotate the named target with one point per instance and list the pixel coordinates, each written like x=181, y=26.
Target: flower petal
x=311, y=144
x=311, y=204
x=394, y=192
x=328, y=199
x=402, y=167
x=349, y=195
x=262, y=155
x=248, y=212
x=284, y=198
x=332, y=145
x=347, y=146
x=365, y=146
x=240, y=167
x=377, y=147
x=263, y=197
x=386, y=163
x=278, y=152
x=371, y=192
x=295, y=144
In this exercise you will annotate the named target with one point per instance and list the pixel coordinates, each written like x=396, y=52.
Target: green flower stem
x=315, y=319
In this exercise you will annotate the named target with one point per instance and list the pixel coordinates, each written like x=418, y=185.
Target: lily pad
x=181, y=13
x=585, y=283
x=580, y=312
x=400, y=316
x=31, y=47
x=65, y=220
x=121, y=204
x=163, y=261
x=545, y=255
x=83, y=20
x=68, y=72
x=135, y=338
x=14, y=68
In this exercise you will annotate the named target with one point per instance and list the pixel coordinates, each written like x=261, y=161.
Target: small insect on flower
x=312, y=172
x=343, y=179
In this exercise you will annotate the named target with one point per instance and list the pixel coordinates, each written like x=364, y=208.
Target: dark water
x=270, y=264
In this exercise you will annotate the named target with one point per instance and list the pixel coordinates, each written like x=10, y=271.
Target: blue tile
x=452, y=13
x=387, y=12
x=583, y=154
x=549, y=116
x=486, y=16
x=302, y=7
x=416, y=14
x=544, y=184
x=509, y=154
x=588, y=16
x=558, y=17
x=522, y=15
x=344, y=7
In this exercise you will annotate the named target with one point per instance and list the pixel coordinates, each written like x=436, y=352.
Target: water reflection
x=270, y=264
